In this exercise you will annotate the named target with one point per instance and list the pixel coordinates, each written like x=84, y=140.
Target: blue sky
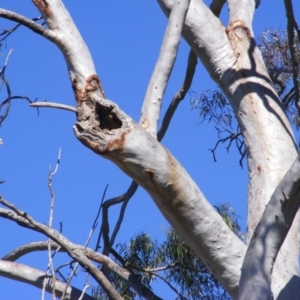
x=124, y=38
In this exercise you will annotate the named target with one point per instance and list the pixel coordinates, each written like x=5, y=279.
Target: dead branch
x=50, y=260
x=230, y=138
x=53, y=105
x=25, y=220
x=37, y=278
x=108, y=243
x=124, y=274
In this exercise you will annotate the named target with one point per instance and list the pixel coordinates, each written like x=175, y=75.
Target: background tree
x=233, y=60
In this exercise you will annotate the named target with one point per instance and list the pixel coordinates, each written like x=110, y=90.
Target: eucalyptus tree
x=267, y=265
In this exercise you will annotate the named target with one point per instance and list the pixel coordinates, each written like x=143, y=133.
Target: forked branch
x=123, y=273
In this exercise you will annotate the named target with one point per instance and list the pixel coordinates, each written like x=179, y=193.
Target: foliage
x=274, y=47
x=173, y=262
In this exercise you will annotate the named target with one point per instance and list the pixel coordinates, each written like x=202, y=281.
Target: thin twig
x=54, y=105
x=74, y=269
x=50, y=256
x=50, y=177
x=130, y=192
x=105, y=224
x=189, y=74
x=86, y=286
x=96, y=219
x=6, y=62
x=169, y=284
x=7, y=32
x=230, y=138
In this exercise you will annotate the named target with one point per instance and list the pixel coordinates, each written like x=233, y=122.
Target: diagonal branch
x=37, y=278
x=7, y=32
x=269, y=235
x=124, y=274
x=30, y=24
x=163, y=68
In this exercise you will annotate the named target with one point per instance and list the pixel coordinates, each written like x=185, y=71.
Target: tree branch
x=216, y=6
x=53, y=105
x=190, y=71
x=23, y=219
x=163, y=68
x=37, y=278
x=269, y=235
x=242, y=10
x=30, y=24
x=124, y=274
x=68, y=39
x=128, y=195
x=7, y=32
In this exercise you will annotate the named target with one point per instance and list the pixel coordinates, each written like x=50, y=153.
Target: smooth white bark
x=145, y=160
x=163, y=68
x=242, y=10
x=268, y=237
x=267, y=133
x=235, y=63
x=69, y=41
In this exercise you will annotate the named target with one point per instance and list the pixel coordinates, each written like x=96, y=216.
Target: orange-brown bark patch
x=93, y=84
x=116, y=144
x=43, y=6
x=79, y=94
